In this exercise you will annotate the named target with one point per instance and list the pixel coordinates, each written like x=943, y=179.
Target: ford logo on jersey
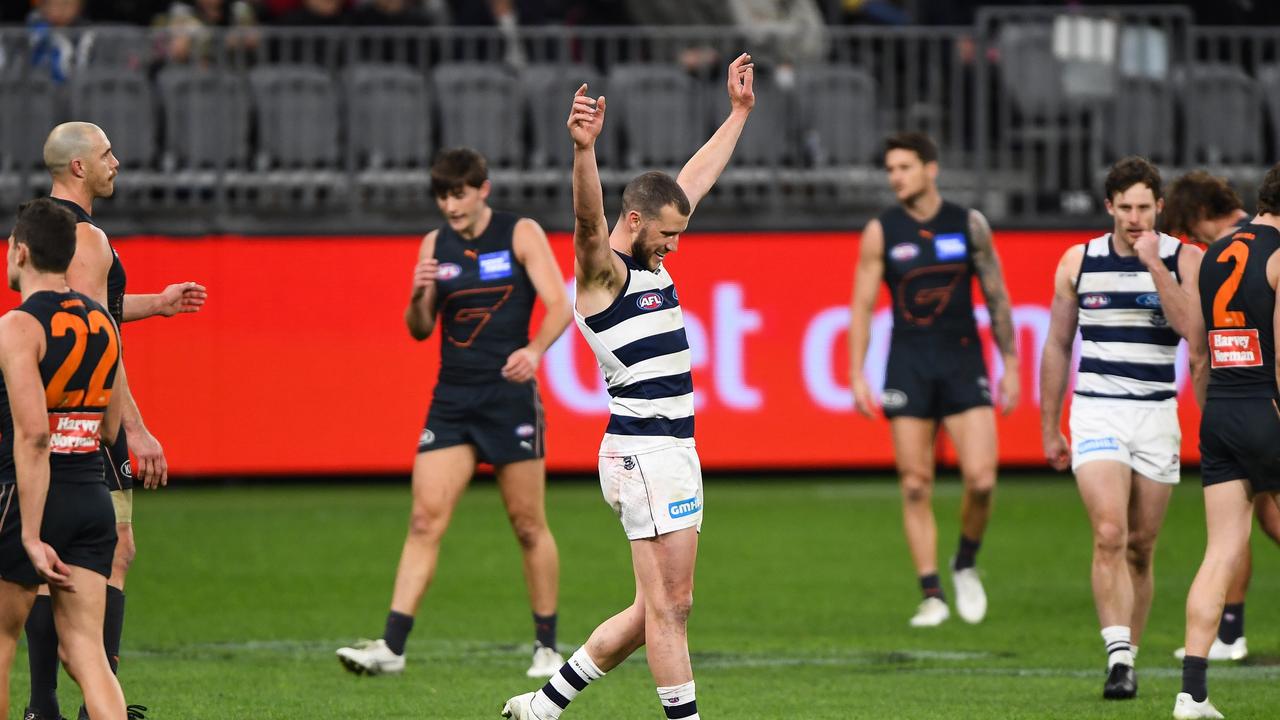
x=950, y=246
x=649, y=301
x=1095, y=300
x=1151, y=300
x=448, y=271
x=903, y=252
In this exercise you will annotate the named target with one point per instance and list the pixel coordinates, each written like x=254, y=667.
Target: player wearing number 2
x=1130, y=293
x=479, y=275
x=1240, y=428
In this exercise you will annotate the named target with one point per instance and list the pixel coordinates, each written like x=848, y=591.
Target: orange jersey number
x=1222, y=317
x=97, y=395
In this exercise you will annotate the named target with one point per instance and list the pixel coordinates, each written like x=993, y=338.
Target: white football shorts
x=654, y=493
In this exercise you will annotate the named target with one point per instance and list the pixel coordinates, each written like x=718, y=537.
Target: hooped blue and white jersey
x=641, y=347
x=1127, y=349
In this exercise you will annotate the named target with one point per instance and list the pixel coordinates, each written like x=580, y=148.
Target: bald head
x=69, y=142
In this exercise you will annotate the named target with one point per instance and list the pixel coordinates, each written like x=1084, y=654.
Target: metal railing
x=331, y=130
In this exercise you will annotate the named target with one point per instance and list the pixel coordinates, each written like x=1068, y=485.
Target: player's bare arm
x=21, y=345
x=1197, y=342
x=533, y=251
x=599, y=273
x=175, y=299
x=87, y=274
x=1273, y=277
x=420, y=315
x=866, y=285
x=987, y=263
x=1055, y=361
x=1174, y=297
x=704, y=168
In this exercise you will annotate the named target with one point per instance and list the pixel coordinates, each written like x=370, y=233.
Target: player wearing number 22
x=1130, y=293
x=479, y=275
x=1240, y=428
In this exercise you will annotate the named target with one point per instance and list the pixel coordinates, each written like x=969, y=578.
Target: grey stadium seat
x=767, y=139
x=119, y=102
x=116, y=46
x=297, y=117
x=659, y=112
x=1141, y=120
x=206, y=117
x=836, y=108
x=479, y=109
x=388, y=116
x=1269, y=79
x=1223, y=110
x=25, y=125
x=548, y=91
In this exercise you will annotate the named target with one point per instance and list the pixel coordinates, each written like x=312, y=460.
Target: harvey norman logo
x=681, y=508
x=1234, y=348
x=74, y=433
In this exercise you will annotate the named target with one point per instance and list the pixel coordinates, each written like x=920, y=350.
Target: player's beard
x=643, y=255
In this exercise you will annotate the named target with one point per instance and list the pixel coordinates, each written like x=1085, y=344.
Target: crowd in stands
x=502, y=13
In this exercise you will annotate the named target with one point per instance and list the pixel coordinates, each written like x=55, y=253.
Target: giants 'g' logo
x=479, y=306
x=927, y=303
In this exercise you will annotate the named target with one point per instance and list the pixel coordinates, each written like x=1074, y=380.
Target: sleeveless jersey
x=78, y=370
x=642, y=349
x=116, y=279
x=1238, y=305
x=484, y=298
x=1128, y=349
x=929, y=270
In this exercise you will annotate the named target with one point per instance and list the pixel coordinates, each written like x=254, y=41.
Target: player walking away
x=927, y=251
x=1129, y=292
x=1203, y=207
x=80, y=160
x=479, y=274
x=1240, y=427
x=58, y=353
x=628, y=310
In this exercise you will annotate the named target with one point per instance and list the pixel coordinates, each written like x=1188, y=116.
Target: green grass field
x=240, y=596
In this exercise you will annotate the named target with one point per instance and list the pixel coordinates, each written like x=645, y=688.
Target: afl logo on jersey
x=448, y=271
x=1095, y=300
x=649, y=301
x=904, y=252
x=1151, y=300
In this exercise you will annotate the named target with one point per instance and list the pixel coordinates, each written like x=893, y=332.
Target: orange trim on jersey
x=1244, y=236
x=72, y=303
x=927, y=235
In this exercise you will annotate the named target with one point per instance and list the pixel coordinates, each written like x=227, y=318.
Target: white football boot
x=520, y=707
x=931, y=613
x=1184, y=708
x=971, y=598
x=1219, y=650
x=546, y=662
x=371, y=657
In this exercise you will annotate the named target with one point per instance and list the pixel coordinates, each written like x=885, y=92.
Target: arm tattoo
x=987, y=263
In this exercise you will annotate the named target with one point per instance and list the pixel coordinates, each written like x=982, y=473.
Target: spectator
x=192, y=23
x=781, y=34
x=698, y=57
x=317, y=13
x=53, y=43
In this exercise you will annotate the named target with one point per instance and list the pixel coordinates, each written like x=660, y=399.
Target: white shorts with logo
x=1143, y=435
x=654, y=493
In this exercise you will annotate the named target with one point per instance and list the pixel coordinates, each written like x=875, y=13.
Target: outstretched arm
x=590, y=229
x=987, y=263
x=704, y=168
x=185, y=297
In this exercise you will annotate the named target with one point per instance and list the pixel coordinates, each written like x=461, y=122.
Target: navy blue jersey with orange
x=928, y=267
x=116, y=279
x=484, y=298
x=1238, y=304
x=78, y=371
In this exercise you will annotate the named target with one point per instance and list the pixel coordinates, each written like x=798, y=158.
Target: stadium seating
x=479, y=107
x=1223, y=109
x=658, y=112
x=206, y=118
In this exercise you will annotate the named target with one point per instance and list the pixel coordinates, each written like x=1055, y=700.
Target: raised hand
x=186, y=297
x=424, y=276
x=586, y=119
x=741, y=75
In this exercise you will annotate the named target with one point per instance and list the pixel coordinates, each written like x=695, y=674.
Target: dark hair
x=457, y=168
x=916, y=142
x=1129, y=172
x=49, y=232
x=1197, y=196
x=652, y=191
x=1269, y=192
